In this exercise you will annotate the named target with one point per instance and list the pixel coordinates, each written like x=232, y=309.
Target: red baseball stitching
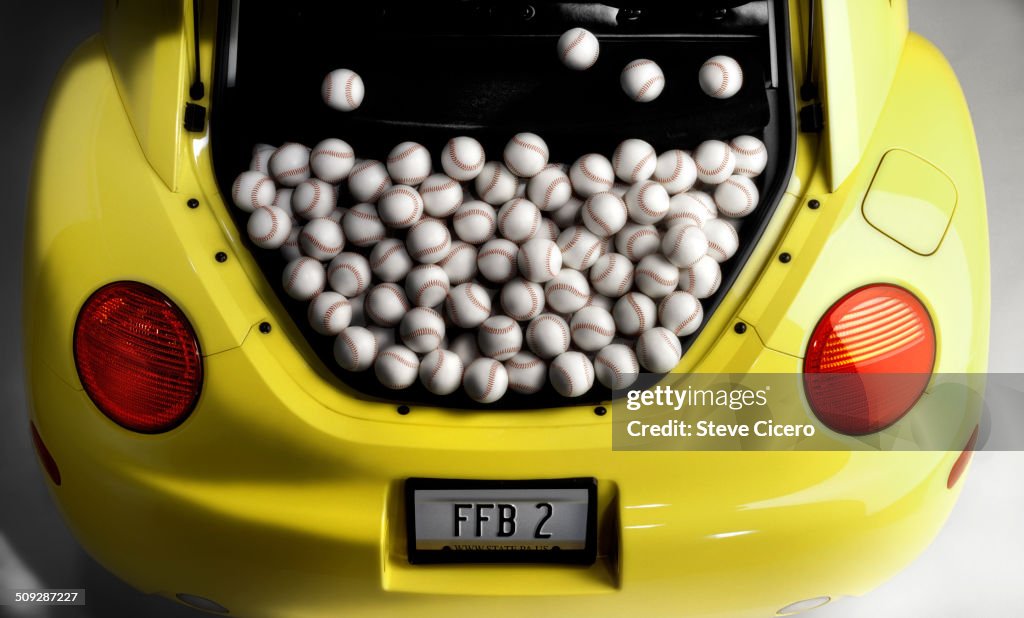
x=640, y=165
x=725, y=77
x=656, y=277
x=458, y=163
x=273, y=227
x=718, y=170
x=676, y=172
x=348, y=90
x=698, y=310
x=565, y=376
x=492, y=374
x=579, y=39
x=565, y=287
x=637, y=63
x=589, y=175
x=746, y=192
x=352, y=269
x=345, y=337
x=672, y=342
x=648, y=85
x=531, y=330
x=641, y=318
x=383, y=257
x=430, y=283
x=476, y=302
x=330, y=313
x=492, y=330
x=401, y=359
x=597, y=328
x=747, y=151
x=495, y=177
x=631, y=240
x=256, y=190
x=514, y=364
x=560, y=180
x=417, y=203
x=642, y=203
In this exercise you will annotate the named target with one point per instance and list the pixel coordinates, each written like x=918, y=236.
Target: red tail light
x=137, y=357
x=869, y=359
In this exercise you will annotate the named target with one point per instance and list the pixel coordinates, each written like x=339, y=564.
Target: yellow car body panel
x=281, y=494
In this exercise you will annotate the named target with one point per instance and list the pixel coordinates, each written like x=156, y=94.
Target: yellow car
x=203, y=445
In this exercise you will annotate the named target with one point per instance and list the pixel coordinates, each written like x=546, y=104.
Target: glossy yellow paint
x=281, y=494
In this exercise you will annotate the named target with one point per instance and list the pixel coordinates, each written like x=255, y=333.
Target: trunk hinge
x=812, y=115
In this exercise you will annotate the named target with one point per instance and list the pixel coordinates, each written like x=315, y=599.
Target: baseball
x=642, y=80
x=590, y=174
x=500, y=337
x=441, y=195
x=497, y=260
x=260, y=161
x=656, y=277
x=604, y=214
x=386, y=304
x=421, y=330
x=647, y=202
x=737, y=196
x=397, y=367
x=547, y=335
x=612, y=275
x=676, y=171
x=715, y=162
x=751, y=155
x=338, y=215
x=578, y=48
x=658, y=350
x=329, y=313
x=463, y=158
x=549, y=189
x=522, y=300
x=427, y=285
x=634, y=160
x=343, y=90
x=253, y=190
x=428, y=241
x=368, y=180
x=400, y=207
x=539, y=260
x=567, y=215
x=460, y=263
x=722, y=239
x=355, y=349
x=321, y=239
x=684, y=245
x=441, y=372
x=290, y=249
x=331, y=160
x=691, y=208
x=601, y=301
x=549, y=230
x=496, y=184
x=475, y=222
x=526, y=154
x=518, y=220
x=681, y=313
x=313, y=199
x=464, y=346
x=269, y=227
x=592, y=328
x=349, y=274
x=580, y=248
x=283, y=200
x=572, y=374
x=362, y=226
x=468, y=305
x=485, y=380
x=289, y=165
x=304, y=278
x=527, y=373
x=634, y=313
x=637, y=241
x=702, y=279
x=409, y=164
x=568, y=291
x=720, y=77
x=390, y=261
x=616, y=366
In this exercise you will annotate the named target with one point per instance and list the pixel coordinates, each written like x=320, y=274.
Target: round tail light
x=137, y=357
x=869, y=359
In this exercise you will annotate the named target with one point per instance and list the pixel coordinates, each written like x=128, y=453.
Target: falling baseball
x=616, y=366
x=460, y=263
x=676, y=171
x=496, y=184
x=526, y=154
x=522, y=300
x=485, y=380
x=321, y=239
x=304, y=278
x=578, y=48
x=642, y=80
x=612, y=275
x=637, y=241
x=362, y=226
x=720, y=77
x=390, y=261
x=368, y=180
x=313, y=199
x=421, y=330
x=500, y=337
x=349, y=274
x=572, y=374
x=428, y=240
x=518, y=220
x=590, y=174
x=527, y=373
x=634, y=313
x=547, y=335
x=331, y=160
x=441, y=372
x=468, y=305
x=343, y=90
x=355, y=349
x=702, y=279
x=580, y=248
x=463, y=158
x=692, y=207
x=737, y=196
x=497, y=260
x=427, y=285
x=386, y=304
x=634, y=160
x=549, y=189
x=592, y=328
x=397, y=367
x=253, y=190
x=400, y=207
x=715, y=162
x=269, y=227
x=289, y=165
x=475, y=222
x=442, y=195
x=681, y=313
x=329, y=313
x=723, y=242
x=684, y=244
x=604, y=214
x=656, y=277
x=658, y=350
x=751, y=155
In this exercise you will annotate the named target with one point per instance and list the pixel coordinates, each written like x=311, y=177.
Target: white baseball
x=604, y=214
x=321, y=239
x=397, y=367
x=304, y=278
x=500, y=337
x=427, y=285
x=715, y=162
x=539, y=260
x=601, y=301
x=684, y=244
x=368, y=180
x=676, y=171
x=463, y=158
x=468, y=305
x=518, y=220
x=548, y=335
x=386, y=304
x=522, y=300
x=572, y=374
x=428, y=240
x=637, y=241
x=496, y=184
x=269, y=227
x=313, y=198
x=580, y=248
x=590, y=174
x=737, y=196
x=343, y=90
x=390, y=261
x=409, y=164
x=338, y=215
x=464, y=346
x=612, y=275
x=497, y=260
x=442, y=195
x=460, y=263
x=349, y=274
x=441, y=372
x=526, y=373
x=567, y=215
x=658, y=350
x=253, y=190
x=355, y=349
x=332, y=160
x=692, y=208
x=681, y=313
x=751, y=155
x=567, y=292
x=647, y=202
x=475, y=222
x=723, y=241
x=485, y=380
x=549, y=230
x=720, y=77
x=526, y=154
x=702, y=279
x=578, y=49
x=656, y=277
x=260, y=161
x=362, y=226
x=616, y=366
x=400, y=207
x=642, y=80
x=329, y=313
x=592, y=328
x=634, y=160
x=549, y=189
x=421, y=330
x=634, y=313
x=289, y=165
x=290, y=249
x=283, y=200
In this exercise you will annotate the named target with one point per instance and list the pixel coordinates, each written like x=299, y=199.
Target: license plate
x=502, y=521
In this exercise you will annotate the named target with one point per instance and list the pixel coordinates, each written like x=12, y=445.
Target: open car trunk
x=437, y=69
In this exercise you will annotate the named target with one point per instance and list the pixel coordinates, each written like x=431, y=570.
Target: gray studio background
x=975, y=566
